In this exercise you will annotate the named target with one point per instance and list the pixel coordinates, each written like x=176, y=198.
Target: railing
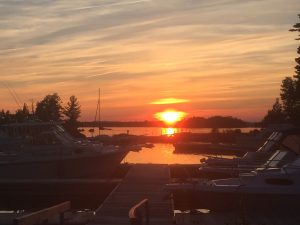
x=42, y=216
x=138, y=212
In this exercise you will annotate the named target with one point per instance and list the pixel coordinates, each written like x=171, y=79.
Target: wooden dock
x=34, y=194
x=142, y=181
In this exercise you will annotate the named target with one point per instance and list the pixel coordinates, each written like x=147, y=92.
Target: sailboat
x=97, y=116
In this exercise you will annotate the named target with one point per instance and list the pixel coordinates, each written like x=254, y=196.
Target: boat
x=217, y=167
x=148, y=145
x=275, y=185
x=264, y=189
x=209, y=148
x=36, y=150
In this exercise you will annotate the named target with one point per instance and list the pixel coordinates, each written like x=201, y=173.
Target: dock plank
x=142, y=181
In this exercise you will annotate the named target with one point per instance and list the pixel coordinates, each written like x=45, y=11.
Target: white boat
x=263, y=189
x=216, y=167
x=45, y=150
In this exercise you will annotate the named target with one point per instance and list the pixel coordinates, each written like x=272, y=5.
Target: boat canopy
x=292, y=142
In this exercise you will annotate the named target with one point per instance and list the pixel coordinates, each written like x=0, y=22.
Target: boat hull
x=208, y=148
x=212, y=173
x=229, y=201
x=89, y=166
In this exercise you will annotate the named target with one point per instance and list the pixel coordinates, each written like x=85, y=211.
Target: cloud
x=140, y=50
x=168, y=101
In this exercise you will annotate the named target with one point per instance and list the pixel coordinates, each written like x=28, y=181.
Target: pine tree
x=72, y=111
x=296, y=116
x=275, y=115
x=22, y=114
x=288, y=92
x=5, y=117
x=290, y=89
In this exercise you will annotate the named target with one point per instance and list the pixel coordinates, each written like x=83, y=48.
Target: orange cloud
x=166, y=101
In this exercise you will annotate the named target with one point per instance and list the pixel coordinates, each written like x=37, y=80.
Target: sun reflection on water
x=169, y=131
x=161, y=154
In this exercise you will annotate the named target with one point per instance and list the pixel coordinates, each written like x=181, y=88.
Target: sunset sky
x=218, y=57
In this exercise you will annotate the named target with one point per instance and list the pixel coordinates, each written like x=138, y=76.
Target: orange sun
x=170, y=116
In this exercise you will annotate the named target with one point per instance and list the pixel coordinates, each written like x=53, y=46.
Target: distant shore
x=195, y=122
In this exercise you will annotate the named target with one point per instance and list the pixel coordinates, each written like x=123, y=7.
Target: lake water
x=152, y=131
x=163, y=154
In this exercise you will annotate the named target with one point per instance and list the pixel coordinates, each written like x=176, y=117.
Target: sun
x=170, y=117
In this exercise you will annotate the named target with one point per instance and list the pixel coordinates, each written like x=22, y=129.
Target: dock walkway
x=142, y=181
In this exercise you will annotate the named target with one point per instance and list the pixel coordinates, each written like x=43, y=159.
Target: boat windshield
x=271, y=142
x=63, y=136
x=293, y=167
x=295, y=163
x=37, y=133
x=276, y=159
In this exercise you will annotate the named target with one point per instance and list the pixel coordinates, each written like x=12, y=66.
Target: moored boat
x=216, y=167
x=39, y=150
x=262, y=189
x=208, y=148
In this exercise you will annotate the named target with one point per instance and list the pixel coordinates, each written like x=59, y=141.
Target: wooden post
x=61, y=218
x=147, y=212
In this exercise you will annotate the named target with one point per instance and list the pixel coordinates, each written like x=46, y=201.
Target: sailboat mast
x=99, y=125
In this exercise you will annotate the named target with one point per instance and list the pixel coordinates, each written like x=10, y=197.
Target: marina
x=50, y=172
x=143, y=181
x=148, y=112
x=148, y=182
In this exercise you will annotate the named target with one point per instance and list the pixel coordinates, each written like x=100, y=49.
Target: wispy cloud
x=210, y=52
x=168, y=101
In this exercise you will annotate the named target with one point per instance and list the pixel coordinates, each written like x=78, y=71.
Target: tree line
x=193, y=122
x=286, y=109
x=215, y=122
x=50, y=108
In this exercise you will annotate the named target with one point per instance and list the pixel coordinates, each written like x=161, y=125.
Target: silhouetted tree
x=275, y=115
x=290, y=89
x=19, y=116
x=5, y=117
x=296, y=116
x=49, y=109
x=72, y=111
x=25, y=110
x=288, y=92
x=296, y=28
x=214, y=122
x=22, y=114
